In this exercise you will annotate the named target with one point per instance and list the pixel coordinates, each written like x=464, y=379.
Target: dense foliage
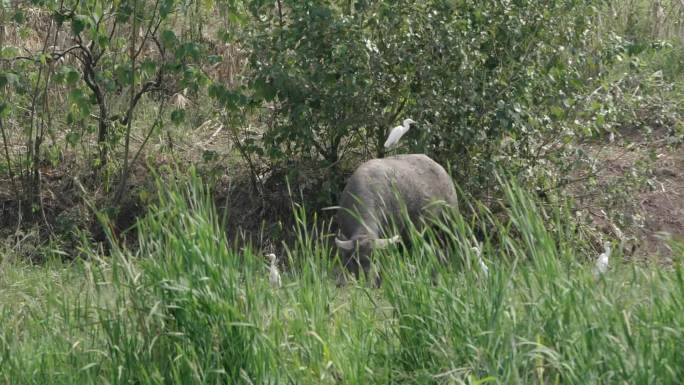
x=476, y=76
x=308, y=89
x=486, y=81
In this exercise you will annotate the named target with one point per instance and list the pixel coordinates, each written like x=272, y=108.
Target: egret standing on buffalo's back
x=397, y=132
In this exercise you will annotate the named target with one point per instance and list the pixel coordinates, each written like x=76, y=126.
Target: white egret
x=397, y=132
x=602, y=261
x=478, y=251
x=273, y=274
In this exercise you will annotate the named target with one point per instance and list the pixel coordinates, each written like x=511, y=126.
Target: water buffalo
x=375, y=196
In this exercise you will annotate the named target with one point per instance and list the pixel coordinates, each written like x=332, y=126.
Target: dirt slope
x=639, y=194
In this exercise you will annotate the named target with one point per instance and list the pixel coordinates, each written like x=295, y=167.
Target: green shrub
x=487, y=81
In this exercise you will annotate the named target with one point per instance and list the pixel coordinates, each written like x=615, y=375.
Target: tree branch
x=147, y=87
x=149, y=29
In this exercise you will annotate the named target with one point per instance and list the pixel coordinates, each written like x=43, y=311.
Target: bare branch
x=147, y=87
x=149, y=29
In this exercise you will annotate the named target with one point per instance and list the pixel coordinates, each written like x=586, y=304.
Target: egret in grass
x=397, y=132
x=602, y=261
x=273, y=274
x=478, y=251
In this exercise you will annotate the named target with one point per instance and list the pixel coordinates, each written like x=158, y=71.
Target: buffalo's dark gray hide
x=375, y=195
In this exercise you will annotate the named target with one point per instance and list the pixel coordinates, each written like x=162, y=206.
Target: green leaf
x=98, y=12
x=224, y=36
x=209, y=155
x=80, y=101
x=78, y=24
x=8, y=78
x=72, y=77
x=168, y=38
x=4, y=109
x=166, y=7
x=73, y=138
x=320, y=12
x=189, y=49
x=70, y=118
x=43, y=58
x=216, y=90
x=19, y=17
x=600, y=120
x=237, y=18
x=213, y=59
x=59, y=17
x=148, y=66
x=102, y=40
x=124, y=74
x=77, y=95
x=8, y=52
x=178, y=116
x=59, y=77
x=264, y=89
x=123, y=13
x=557, y=112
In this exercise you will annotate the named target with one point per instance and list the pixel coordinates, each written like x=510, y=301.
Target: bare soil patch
x=638, y=198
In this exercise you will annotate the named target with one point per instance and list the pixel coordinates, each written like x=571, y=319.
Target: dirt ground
x=663, y=208
x=639, y=198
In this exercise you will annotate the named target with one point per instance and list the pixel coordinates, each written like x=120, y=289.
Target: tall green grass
x=186, y=307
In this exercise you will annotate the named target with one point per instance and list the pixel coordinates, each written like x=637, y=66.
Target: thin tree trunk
x=131, y=105
x=34, y=140
x=5, y=141
x=135, y=96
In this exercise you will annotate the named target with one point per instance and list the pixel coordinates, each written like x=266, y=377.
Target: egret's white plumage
x=397, y=132
x=478, y=251
x=602, y=260
x=273, y=274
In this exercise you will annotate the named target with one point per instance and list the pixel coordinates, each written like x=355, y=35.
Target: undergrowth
x=187, y=307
